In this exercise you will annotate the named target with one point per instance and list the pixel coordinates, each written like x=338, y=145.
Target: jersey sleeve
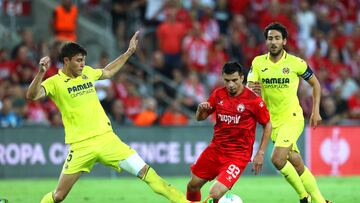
x=49, y=86
x=93, y=74
x=261, y=113
x=253, y=75
x=303, y=70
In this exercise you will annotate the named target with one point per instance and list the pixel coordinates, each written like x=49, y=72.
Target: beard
x=275, y=53
x=232, y=92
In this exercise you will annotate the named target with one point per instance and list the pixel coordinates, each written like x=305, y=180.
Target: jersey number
x=69, y=156
x=233, y=170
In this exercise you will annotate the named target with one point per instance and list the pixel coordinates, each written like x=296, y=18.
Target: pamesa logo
x=275, y=82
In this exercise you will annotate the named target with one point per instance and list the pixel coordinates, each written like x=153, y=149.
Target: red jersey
x=236, y=118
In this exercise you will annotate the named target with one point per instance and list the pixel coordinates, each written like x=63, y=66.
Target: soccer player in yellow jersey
x=87, y=128
x=275, y=76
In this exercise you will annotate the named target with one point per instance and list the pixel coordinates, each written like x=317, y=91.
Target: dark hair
x=232, y=67
x=71, y=49
x=278, y=27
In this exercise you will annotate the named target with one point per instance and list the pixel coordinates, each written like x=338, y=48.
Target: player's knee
x=59, y=196
x=278, y=161
x=215, y=193
x=218, y=190
x=192, y=186
x=143, y=171
x=296, y=160
x=299, y=167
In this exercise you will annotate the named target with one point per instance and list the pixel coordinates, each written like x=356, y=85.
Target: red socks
x=193, y=196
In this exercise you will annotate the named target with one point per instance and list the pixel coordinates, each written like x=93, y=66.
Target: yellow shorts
x=288, y=134
x=106, y=149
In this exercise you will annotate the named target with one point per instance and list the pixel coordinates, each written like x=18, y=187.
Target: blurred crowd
x=185, y=43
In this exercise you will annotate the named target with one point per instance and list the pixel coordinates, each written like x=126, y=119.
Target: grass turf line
x=270, y=189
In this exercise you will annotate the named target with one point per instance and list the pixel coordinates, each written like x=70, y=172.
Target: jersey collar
x=282, y=57
x=63, y=75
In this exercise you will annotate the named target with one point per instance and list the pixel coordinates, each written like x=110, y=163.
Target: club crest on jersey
x=241, y=108
x=221, y=102
x=84, y=77
x=261, y=104
x=286, y=70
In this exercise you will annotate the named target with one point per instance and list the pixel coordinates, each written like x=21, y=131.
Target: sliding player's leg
x=120, y=156
x=81, y=158
x=160, y=186
x=66, y=181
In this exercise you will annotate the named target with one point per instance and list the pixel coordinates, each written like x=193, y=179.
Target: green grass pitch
x=269, y=189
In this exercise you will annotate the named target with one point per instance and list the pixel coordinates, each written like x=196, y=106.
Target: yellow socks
x=290, y=174
x=47, y=198
x=311, y=187
x=158, y=185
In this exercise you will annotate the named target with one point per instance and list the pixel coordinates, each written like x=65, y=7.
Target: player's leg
x=205, y=168
x=194, y=187
x=306, y=177
x=227, y=177
x=160, y=186
x=217, y=190
x=81, y=158
x=66, y=181
x=295, y=159
x=283, y=145
x=120, y=156
x=279, y=159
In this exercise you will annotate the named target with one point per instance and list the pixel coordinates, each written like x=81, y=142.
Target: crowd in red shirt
x=188, y=42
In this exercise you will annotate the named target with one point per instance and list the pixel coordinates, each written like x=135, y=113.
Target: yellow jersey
x=279, y=84
x=82, y=114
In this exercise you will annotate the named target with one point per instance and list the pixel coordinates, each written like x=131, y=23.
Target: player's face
x=233, y=82
x=76, y=64
x=275, y=42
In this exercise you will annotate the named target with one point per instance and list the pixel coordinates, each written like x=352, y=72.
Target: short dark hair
x=232, y=67
x=278, y=27
x=71, y=49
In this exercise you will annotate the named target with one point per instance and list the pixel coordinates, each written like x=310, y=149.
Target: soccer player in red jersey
x=237, y=111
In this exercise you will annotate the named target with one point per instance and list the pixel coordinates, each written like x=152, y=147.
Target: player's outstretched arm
x=36, y=91
x=259, y=157
x=315, y=118
x=114, y=66
x=202, y=111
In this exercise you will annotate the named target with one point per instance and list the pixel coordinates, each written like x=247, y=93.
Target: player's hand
x=315, y=120
x=258, y=163
x=44, y=64
x=204, y=106
x=133, y=43
x=255, y=86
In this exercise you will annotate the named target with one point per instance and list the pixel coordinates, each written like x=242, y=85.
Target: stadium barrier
x=40, y=151
x=333, y=150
